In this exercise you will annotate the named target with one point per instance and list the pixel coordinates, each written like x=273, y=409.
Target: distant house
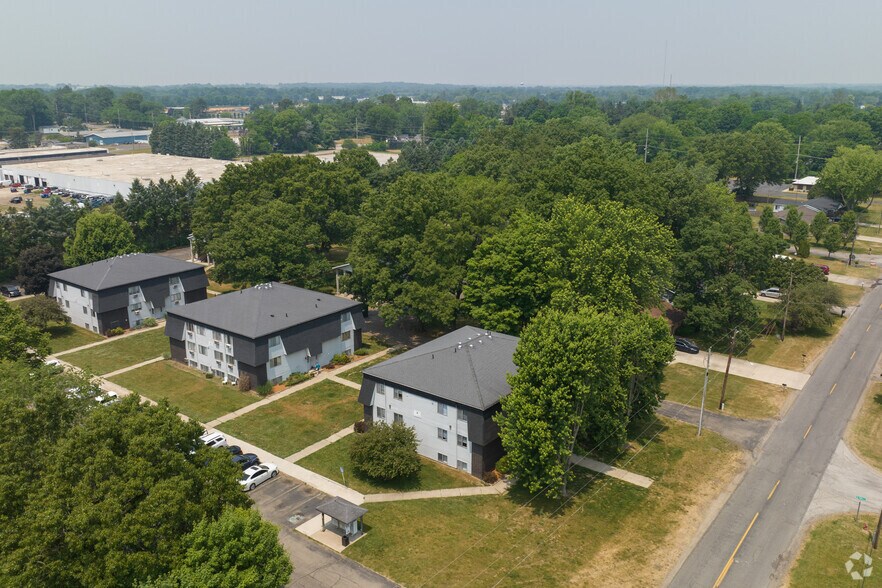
x=810, y=208
x=268, y=332
x=124, y=291
x=448, y=390
x=117, y=137
x=803, y=184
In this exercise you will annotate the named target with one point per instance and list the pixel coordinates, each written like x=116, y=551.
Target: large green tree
x=34, y=266
x=852, y=175
x=19, y=340
x=99, y=236
x=39, y=312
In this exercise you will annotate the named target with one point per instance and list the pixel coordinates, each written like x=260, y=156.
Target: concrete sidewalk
x=496, y=489
x=320, y=444
x=323, y=375
x=106, y=340
x=132, y=367
x=611, y=471
x=745, y=369
x=344, y=381
x=849, y=280
x=870, y=239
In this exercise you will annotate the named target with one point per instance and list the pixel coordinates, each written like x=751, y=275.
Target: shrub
x=209, y=375
x=377, y=146
x=115, y=331
x=386, y=452
x=265, y=388
x=166, y=355
x=149, y=322
x=244, y=382
x=361, y=351
x=341, y=359
x=361, y=426
x=492, y=476
x=296, y=378
x=349, y=144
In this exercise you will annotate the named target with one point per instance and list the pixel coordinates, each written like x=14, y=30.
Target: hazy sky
x=480, y=42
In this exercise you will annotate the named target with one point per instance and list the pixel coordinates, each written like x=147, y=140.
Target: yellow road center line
x=773, y=490
x=852, y=354
x=831, y=389
x=725, y=571
x=807, y=432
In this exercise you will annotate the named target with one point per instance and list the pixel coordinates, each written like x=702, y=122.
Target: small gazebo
x=346, y=518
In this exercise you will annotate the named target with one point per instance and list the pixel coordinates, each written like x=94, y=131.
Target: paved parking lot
x=288, y=503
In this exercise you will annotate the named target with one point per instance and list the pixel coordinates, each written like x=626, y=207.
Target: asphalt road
x=749, y=542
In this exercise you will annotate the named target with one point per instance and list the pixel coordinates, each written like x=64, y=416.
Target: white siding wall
x=81, y=184
x=78, y=304
x=202, y=345
x=423, y=415
x=301, y=360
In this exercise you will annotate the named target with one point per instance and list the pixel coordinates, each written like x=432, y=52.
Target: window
x=228, y=340
x=85, y=311
x=64, y=287
x=275, y=341
x=442, y=434
x=133, y=290
x=176, y=297
x=381, y=413
x=381, y=389
x=218, y=356
x=346, y=336
x=203, y=350
x=192, y=364
x=218, y=373
x=461, y=465
x=88, y=327
x=442, y=408
x=82, y=293
x=67, y=303
x=93, y=313
x=95, y=329
x=398, y=395
x=189, y=327
x=216, y=336
x=136, y=307
x=200, y=330
x=191, y=346
x=462, y=441
x=230, y=359
x=276, y=361
x=204, y=367
x=442, y=458
x=460, y=414
x=398, y=418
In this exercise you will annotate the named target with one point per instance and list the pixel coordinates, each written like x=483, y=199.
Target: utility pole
x=876, y=534
x=646, y=146
x=786, y=306
x=853, y=239
x=796, y=169
x=356, y=126
x=728, y=365
x=704, y=391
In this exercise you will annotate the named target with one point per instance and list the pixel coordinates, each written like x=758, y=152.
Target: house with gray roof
x=125, y=290
x=267, y=332
x=448, y=390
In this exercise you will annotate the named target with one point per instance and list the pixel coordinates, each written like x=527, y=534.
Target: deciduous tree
x=99, y=236
x=818, y=226
x=39, y=312
x=386, y=452
x=852, y=175
x=18, y=340
x=34, y=266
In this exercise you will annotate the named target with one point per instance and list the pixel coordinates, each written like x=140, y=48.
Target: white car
x=53, y=363
x=107, y=398
x=771, y=293
x=213, y=439
x=257, y=475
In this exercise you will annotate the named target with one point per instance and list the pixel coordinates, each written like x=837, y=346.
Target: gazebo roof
x=342, y=510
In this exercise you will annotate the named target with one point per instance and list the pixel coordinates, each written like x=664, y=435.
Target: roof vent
x=470, y=345
x=481, y=341
x=273, y=316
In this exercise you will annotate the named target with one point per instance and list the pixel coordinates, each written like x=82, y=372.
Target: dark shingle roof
x=467, y=366
x=123, y=270
x=342, y=510
x=263, y=309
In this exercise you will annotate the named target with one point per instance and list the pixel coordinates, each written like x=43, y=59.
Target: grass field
x=607, y=527
x=840, y=267
x=432, y=475
x=796, y=351
x=745, y=398
x=121, y=353
x=830, y=543
x=355, y=374
x=194, y=395
x=851, y=295
x=866, y=430
x=370, y=343
x=64, y=337
x=300, y=419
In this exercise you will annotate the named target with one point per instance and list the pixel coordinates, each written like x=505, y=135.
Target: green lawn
x=355, y=374
x=828, y=546
x=195, y=395
x=123, y=352
x=370, y=343
x=796, y=351
x=745, y=398
x=300, y=419
x=866, y=430
x=862, y=270
x=64, y=337
x=851, y=295
x=432, y=475
x=608, y=527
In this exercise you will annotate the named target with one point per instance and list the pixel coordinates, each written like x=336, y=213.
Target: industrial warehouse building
x=117, y=137
x=17, y=156
x=107, y=176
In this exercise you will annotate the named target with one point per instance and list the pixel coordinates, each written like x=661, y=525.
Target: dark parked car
x=685, y=345
x=10, y=291
x=246, y=460
x=234, y=449
x=15, y=200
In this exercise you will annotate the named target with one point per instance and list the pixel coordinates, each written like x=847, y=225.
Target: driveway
x=281, y=501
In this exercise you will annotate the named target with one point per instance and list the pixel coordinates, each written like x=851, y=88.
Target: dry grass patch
x=745, y=398
x=866, y=430
x=829, y=544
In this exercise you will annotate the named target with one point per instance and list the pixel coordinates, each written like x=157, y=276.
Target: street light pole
x=704, y=391
x=728, y=364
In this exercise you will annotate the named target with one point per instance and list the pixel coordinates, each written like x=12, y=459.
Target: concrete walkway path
x=323, y=375
x=870, y=239
x=106, y=340
x=747, y=433
x=344, y=381
x=849, y=280
x=611, y=471
x=320, y=444
x=745, y=369
x=132, y=367
x=496, y=489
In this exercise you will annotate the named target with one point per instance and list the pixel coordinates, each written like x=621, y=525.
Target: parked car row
x=254, y=473
x=10, y=291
